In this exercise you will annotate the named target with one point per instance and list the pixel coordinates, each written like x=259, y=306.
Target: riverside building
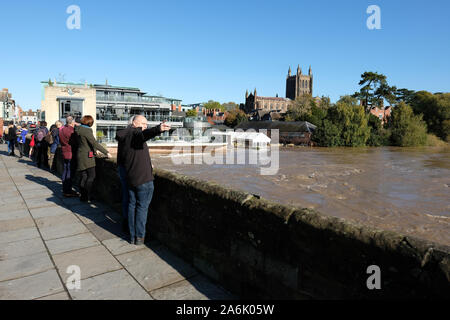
x=112, y=106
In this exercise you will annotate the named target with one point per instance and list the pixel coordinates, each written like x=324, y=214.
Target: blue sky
x=201, y=50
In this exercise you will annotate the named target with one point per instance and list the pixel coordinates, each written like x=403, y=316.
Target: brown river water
x=400, y=189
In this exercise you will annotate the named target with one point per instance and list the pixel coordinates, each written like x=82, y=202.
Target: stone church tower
x=299, y=83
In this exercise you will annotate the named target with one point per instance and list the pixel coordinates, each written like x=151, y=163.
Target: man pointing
x=133, y=155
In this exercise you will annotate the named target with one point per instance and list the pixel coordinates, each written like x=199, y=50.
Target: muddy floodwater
x=400, y=189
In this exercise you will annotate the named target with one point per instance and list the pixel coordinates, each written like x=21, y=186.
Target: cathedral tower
x=299, y=84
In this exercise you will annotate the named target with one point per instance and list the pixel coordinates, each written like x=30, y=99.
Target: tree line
x=417, y=118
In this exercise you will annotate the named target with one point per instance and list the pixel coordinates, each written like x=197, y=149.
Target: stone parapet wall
x=260, y=249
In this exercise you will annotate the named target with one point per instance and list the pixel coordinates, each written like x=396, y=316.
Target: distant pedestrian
x=41, y=145
x=53, y=140
x=87, y=147
x=68, y=142
x=135, y=158
x=21, y=139
x=11, y=137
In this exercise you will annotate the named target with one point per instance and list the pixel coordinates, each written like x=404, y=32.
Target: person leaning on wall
x=87, y=148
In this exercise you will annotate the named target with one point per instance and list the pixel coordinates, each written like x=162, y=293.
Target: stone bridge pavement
x=42, y=233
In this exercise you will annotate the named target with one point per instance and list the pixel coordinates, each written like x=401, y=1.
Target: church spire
x=310, y=71
x=299, y=70
x=246, y=94
x=255, y=93
x=289, y=72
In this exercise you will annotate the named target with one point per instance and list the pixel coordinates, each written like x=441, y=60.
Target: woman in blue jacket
x=21, y=139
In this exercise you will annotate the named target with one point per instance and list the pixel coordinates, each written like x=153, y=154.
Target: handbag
x=32, y=143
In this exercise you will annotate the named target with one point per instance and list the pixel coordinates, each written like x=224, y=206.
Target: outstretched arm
x=151, y=133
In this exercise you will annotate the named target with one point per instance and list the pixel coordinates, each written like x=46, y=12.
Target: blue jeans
x=125, y=197
x=11, y=146
x=139, y=200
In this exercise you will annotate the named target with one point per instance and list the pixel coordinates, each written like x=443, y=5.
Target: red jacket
x=67, y=141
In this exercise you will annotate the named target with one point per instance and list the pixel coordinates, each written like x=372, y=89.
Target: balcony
x=156, y=118
x=139, y=99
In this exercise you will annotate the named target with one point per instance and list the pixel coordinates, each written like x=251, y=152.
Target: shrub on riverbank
x=436, y=112
x=345, y=124
x=407, y=129
x=433, y=141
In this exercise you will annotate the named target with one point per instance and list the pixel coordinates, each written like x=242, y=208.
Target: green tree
x=235, y=117
x=374, y=89
x=435, y=109
x=379, y=136
x=328, y=134
x=211, y=104
x=405, y=95
x=316, y=115
x=191, y=113
x=407, y=129
x=300, y=108
x=230, y=106
x=345, y=124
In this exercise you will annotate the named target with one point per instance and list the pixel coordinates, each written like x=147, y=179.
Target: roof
x=179, y=113
x=238, y=135
x=274, y=98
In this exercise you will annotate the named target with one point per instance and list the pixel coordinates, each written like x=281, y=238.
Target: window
x=71, y=107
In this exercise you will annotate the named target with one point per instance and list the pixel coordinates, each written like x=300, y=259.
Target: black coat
x=12, y=134
x=133, y=154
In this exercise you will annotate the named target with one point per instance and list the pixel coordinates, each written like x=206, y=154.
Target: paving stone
x=10, y=200
x=21, y=248
x=92, y=261
x=7, y=207
x=106, y=230
x=9, y=193
x=43, y=202
x=36, y=194
x=31, y=287
x=49, y=212
x=88, y=214
x=195, y=288
x=16, y=224
x=155, y=269
x=62, y=231
x=69, y=202
x=15, y=214
x=59, y=296
x=53, y=221
x=24, y=266
x=26, y=185
x=17, y=235
x=120, y=246
x=116, y=285
x=71, y=243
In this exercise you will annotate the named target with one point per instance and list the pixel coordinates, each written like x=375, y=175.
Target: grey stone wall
x=260, y=249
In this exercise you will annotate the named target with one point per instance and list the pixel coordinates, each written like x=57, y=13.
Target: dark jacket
x=133, y=154
x=86, y=144
x=12, y=134
x=67, y=138
x=42, y=143
x=55, y=135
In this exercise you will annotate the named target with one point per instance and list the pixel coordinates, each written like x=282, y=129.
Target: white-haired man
x=134, y=156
